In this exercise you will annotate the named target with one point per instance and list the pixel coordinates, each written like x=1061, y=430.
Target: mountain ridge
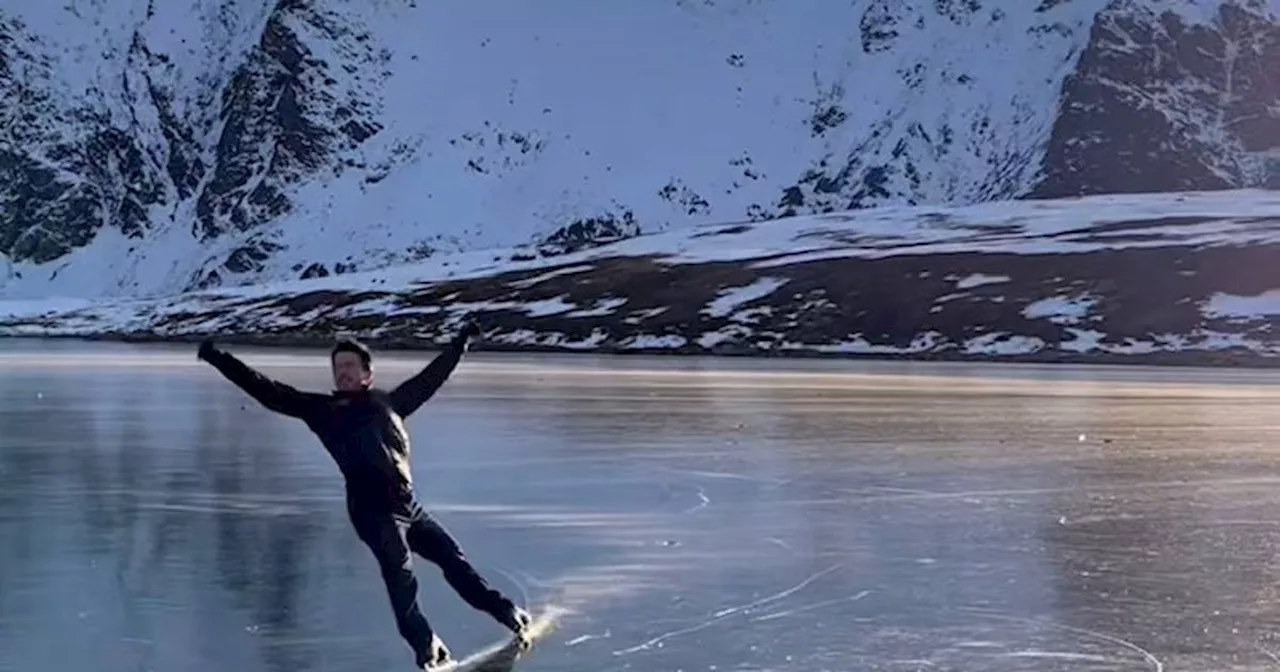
x=217, y=143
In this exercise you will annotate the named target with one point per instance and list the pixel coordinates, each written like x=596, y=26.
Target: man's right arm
x=274, y=395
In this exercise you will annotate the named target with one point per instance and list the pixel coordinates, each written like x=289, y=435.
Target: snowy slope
x=153, y=147
x=1169, y=275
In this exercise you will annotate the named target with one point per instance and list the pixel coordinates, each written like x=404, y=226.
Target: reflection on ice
x=868, y=517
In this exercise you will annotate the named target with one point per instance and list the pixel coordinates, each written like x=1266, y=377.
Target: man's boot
x=437, y=656
x=517, y=620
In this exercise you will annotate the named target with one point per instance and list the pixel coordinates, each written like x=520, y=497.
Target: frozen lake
x=694, y=514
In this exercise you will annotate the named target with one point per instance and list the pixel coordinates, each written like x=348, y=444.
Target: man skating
x=362, y=428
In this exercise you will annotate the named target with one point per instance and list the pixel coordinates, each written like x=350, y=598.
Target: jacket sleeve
x=273, y=395
x=414, y=392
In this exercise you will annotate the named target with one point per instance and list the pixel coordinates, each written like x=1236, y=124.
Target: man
x=362, y=428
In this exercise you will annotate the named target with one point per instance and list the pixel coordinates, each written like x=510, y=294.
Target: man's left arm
x=414, y=392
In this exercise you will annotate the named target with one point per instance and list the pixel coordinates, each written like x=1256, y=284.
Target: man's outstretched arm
x=414, y=392
x=274, y=395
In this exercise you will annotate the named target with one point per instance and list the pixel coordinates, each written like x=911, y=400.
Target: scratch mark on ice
x=778, y=542
x=702, y=503
x=1156, y=664
x=586, y=638
x=726, y=613
x=811, y=607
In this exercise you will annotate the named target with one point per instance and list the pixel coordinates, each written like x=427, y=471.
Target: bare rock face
x=1157, y=105
x=288, y=114
x=65, y=169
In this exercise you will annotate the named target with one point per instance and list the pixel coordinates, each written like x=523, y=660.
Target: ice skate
x=438, y=657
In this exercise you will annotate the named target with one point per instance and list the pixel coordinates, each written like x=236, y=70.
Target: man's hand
x=206, y=349
x=468, y=331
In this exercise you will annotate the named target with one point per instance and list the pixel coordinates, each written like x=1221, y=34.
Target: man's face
x=349, y=374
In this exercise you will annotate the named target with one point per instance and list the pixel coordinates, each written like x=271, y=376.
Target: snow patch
x=652, y=342
x=551, y=275
x=1091, y=341
x=732, y=332
x=730, y=299
x=1060, y=309
x=980, y=279
x=641, y=315
x=528, y=337
x=859, y=345
x=1085, y=340
x=1262, y=305
x=1002, y=343
x=548, y=307
x=601, y=308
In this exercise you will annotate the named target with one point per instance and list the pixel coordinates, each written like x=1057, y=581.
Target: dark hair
x=352, y=345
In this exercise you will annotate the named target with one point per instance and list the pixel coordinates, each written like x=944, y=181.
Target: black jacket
x=363, y=431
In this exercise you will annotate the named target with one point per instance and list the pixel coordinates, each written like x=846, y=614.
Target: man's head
x=352, y=366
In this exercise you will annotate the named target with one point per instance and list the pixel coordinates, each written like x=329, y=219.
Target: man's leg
x=429, y=539
x=386, y=538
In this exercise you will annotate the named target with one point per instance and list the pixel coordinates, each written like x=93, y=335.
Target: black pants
x=392, y=539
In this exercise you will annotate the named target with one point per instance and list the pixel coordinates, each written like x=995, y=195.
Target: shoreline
x=1220, y=359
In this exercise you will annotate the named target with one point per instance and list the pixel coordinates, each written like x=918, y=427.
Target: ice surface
x=695, y=514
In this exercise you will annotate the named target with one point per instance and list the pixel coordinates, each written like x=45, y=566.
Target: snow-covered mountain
x=151, y=147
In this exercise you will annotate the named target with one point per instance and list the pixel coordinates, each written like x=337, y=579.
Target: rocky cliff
x=152, y=148
x=1164, y=100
